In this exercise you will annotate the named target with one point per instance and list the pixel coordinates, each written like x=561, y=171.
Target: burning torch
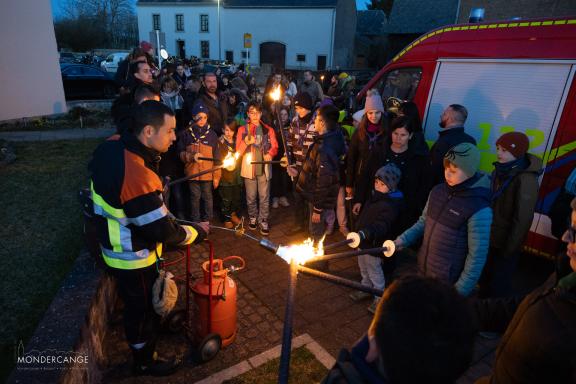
x=275, y=95
x=229, y=163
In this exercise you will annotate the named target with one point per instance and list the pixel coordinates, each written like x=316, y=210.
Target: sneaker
x=359, y=295
x=284, y=201
x=275, y=203
x=264, y=230
x=252, y=224
x=373, y=306
x=228, y=224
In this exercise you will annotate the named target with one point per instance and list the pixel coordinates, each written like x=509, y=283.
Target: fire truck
x=511, y=76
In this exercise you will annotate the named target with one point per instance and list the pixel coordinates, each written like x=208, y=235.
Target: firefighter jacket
x=131, y=218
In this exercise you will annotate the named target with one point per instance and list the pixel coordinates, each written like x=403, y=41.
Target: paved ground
x=323, y=310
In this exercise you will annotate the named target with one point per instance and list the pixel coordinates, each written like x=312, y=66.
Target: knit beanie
x=199, y=107
x=465, y=156
x=514, y=142
x=303, y=99
x=374, y=103
x=390, y=175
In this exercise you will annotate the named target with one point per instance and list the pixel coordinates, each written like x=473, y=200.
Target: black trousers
x=135, y=289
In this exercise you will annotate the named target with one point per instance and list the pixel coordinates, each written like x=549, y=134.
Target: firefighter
x=133, y=223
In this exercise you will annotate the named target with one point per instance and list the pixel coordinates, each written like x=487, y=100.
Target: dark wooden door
x=273, y=53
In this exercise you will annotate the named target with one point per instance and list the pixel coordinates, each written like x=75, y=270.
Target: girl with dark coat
x=371, y=129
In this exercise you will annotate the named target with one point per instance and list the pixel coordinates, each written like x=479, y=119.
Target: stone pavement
x=323, y=310
x=63, y=134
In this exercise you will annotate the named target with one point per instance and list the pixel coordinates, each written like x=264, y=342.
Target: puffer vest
x=445, y=242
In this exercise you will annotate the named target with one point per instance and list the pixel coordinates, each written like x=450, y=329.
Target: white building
x=293, y=34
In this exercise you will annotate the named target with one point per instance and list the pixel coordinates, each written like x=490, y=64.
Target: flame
x=275, y=94
x=229, y=161
x=303, y=252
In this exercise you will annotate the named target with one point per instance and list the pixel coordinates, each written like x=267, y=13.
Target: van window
x=400, y=83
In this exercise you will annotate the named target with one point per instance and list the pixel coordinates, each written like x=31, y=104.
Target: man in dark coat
x=539, y=344
x=452, y=123
x=318, y=180
x=216, y=103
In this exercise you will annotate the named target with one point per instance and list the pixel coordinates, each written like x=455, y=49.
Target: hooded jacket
x=204, y=141
x=318, y=179
x=455, y=232
x=514, y=198
x=378, y=215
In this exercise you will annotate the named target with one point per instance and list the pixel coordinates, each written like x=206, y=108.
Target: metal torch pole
x=284, y=371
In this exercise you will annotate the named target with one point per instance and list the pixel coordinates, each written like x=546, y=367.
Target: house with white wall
x=291, y=34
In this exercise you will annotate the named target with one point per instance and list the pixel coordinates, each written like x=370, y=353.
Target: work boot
x=147, y=362
x=235, y=219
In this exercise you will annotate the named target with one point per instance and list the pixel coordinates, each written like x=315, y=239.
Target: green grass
x=70, y=120
x=304, y=368
x=40, y=232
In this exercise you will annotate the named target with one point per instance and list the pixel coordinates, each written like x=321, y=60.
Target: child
x=375, y=222
x=256, y=141
x=514, y=195
x=198, y=140
x=455, y=223
x=230, y=188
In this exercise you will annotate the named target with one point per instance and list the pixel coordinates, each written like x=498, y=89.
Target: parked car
x=112, y=61
x=86, y=81
x=68, y=57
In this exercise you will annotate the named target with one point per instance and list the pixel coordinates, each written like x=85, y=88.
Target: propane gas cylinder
x=220, y=318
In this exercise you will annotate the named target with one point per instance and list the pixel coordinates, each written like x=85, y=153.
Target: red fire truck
x=511, y=76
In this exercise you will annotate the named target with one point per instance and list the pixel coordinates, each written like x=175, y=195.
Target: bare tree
x=113, y=24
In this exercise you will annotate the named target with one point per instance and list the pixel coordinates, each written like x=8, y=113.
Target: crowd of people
x=369, y=171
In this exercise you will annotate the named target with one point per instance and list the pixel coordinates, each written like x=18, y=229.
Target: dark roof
x=371, y=23
x=256, y=3
x=419, y=16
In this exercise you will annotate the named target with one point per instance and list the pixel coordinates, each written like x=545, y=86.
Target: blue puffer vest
x=445, y=242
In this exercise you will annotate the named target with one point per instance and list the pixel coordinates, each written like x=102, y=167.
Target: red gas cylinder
x=220, y=317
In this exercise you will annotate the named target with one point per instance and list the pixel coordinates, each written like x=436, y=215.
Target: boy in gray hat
x=455, y=223
x=375, y=220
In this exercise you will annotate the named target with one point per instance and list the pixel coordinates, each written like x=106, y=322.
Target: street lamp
x=219, y=47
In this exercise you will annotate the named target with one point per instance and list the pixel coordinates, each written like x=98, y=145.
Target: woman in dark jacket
x=414, y=164
x=371, y=129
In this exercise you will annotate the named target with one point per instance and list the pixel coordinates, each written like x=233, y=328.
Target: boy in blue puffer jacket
x=375, y=221
x=455, y=223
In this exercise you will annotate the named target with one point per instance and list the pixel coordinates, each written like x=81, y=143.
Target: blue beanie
x=199, y=108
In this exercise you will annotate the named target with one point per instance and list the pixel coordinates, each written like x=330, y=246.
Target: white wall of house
x=304, y=31
x=192, y=36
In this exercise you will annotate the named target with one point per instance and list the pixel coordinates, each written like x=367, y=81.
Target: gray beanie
x=390, y=175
